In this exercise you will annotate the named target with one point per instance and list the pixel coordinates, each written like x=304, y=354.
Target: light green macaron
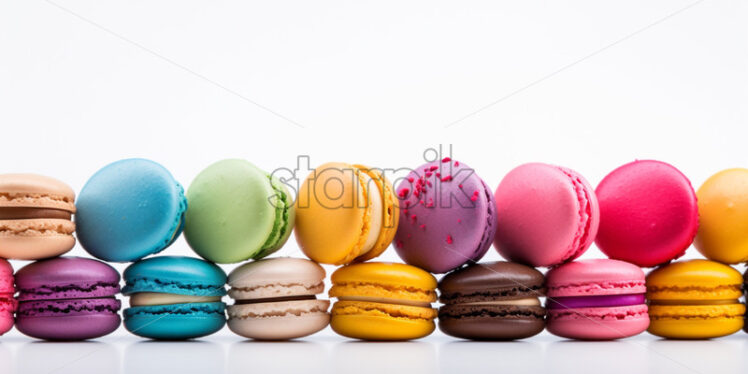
x=236, y=212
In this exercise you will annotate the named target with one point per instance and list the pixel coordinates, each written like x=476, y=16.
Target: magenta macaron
x=67, y=298
x=547, y=215
x=447, y=216
x=648, y=213
x=598, y=299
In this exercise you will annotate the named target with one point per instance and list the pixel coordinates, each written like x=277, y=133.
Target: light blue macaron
x=128, y=210
x=175, y=277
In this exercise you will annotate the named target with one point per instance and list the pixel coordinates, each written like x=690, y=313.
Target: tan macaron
x=35, y=217
x=275, y=299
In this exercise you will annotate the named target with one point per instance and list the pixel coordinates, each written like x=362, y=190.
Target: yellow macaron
x=696, y=299
x=383, y=301
x=723, y=217
x=345, y=213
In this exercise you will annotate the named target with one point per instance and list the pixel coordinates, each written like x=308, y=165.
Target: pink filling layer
x=573, y=302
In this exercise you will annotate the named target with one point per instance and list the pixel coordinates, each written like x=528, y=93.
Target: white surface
x=585, y=84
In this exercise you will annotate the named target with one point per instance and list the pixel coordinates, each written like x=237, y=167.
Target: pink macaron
x=648, y=213
x=547, y=215
x=7, y=302
x=596, y=300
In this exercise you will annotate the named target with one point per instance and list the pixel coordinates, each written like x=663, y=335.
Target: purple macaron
x=67, y=298
x=447, y=216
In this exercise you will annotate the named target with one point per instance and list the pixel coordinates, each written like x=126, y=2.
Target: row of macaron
x=176, y=298
x=440, y=216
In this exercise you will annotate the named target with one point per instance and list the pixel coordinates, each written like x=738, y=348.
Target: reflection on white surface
x=167, y=357
x=620, y=356
x=66, y=357
x=327, y=353
x=724, y=356
x=384, y=357
x=464, y=356
x=286, y=357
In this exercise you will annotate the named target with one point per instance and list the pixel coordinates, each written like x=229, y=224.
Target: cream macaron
x=275, y=299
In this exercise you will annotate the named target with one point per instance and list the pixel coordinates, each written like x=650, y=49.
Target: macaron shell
x=648, y=213
x=7, y=283
x=384, y=280
x=230, y=217
x=35, y=191
x=595, y=277
x=447, y=216
x=34, y=239
x=285, y=219
x=66, y=278
x=694, y=280
x=491, y=281
x=491, y=322
x=696, y=321
x=276, y=277
x=723, y=217
x=176, y=275
x=546, y=215
x=279, y=327
x=391, y=214
x=376, y=321
x=128, y=210
x=176, y=321
x=598, y=323
x=69, y=327
x=279, y=320
x=332, y=214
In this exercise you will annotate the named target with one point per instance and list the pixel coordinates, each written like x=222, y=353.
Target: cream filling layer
x=385, y=300
x=155, y=298
x=374, y=199
x=694, y=302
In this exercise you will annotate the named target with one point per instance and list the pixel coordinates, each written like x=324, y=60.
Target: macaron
x=696, y=299
x=597, y=299
x=447, y=216
x=547, y=215
x=345, y=213
x=7, y=303
x=745, y=287
x=723, y=217
x=237, y=212
x=275, y=299
x=128, y=210
x=35, y=217
x=67, y=298
x=174, y=298
x=492, y=301
x=648, y=213
x=383, y=301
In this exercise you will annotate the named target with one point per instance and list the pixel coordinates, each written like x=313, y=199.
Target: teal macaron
x=129, y=209
x=174, y=298
x=237, y=212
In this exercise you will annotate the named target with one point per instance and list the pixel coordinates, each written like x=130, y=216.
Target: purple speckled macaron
x=67, y=298
x=447, y=216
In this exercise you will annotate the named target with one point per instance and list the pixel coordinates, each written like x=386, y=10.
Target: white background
x=585, y=84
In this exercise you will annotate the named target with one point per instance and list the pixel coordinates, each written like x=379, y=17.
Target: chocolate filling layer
x=275, y=299
x=32, y=213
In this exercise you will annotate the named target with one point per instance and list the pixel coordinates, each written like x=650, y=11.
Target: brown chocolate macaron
x=492, y=301
x=35, y=217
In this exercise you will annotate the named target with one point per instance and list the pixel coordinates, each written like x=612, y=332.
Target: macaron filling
x=602, y=301
x=156, y=298
x=694, y=302
x=578, y=246
x=33, y=213
x=375, y=205
x=282, y=204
